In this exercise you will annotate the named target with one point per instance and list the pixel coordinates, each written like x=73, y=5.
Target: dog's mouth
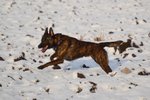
x=44, y=48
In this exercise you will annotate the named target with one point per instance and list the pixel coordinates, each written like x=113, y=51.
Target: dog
x=69, y=48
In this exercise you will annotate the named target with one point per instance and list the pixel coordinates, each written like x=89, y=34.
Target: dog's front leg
x=54, y=62
x=52, y=58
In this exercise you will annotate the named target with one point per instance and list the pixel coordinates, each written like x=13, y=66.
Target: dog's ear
x=46, y=30
x=51, y=32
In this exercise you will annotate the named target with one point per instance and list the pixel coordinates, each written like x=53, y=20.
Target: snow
x=22, y=24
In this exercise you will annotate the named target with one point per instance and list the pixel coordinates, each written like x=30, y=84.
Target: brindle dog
x=69, y=48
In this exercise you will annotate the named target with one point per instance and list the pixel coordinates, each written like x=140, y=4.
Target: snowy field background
x=22, y=24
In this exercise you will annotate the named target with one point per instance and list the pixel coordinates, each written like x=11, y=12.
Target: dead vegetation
x=80, y=75
x=1, y=59
x=144, y=73
x=99, y=38
x=22, y=57
x=93, y=88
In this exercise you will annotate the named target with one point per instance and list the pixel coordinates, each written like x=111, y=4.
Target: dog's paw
x=112, y=74
x=41, y=67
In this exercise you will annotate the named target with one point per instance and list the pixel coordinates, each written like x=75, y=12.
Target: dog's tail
x=111, y=44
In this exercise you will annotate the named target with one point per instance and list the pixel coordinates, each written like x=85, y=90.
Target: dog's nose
x=39, y=46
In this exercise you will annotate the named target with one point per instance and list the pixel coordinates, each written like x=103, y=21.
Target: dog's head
x=47, y=40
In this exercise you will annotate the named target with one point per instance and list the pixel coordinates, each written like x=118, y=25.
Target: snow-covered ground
x=22, y=23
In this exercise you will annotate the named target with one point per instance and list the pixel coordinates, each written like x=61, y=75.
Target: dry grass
x=100, y=37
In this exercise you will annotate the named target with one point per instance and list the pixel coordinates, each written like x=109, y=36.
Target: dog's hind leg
x=102, y=60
